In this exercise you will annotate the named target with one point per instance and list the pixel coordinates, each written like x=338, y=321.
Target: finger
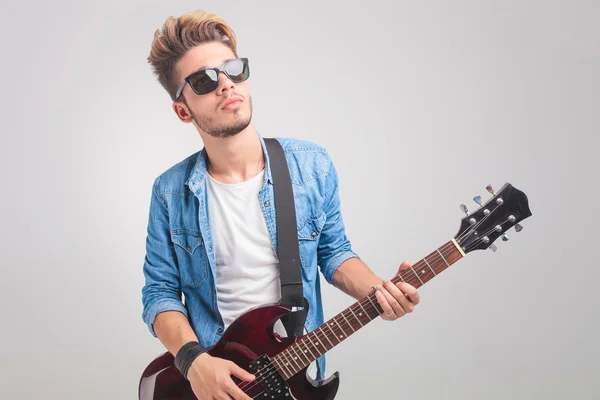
x=404, y=266
x=241, y=373
x=410, y=291
x=236, y=393
x=399, y=296
x=387, y=308
x=393, y=302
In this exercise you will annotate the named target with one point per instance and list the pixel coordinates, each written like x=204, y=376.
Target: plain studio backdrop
x=421, y=105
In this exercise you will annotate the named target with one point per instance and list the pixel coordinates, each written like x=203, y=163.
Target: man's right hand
x=210, y=378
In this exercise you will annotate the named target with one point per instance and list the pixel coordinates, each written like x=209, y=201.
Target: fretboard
x=333, y=332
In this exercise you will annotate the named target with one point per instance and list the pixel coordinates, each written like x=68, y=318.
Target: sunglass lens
x=204, y=82
x=237, y=70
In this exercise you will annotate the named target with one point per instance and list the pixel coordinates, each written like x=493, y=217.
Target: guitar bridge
x=273, y=385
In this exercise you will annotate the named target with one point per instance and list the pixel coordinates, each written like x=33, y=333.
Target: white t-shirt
x=247, y=270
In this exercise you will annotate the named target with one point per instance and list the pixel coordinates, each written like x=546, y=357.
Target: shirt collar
x=198, y=172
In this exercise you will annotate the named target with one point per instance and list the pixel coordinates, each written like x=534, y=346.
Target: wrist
x=186, y=355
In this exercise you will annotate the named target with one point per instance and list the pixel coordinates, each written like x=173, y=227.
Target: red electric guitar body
x=245, y=340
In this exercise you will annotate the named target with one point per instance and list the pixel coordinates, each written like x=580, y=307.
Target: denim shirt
x=180, y=257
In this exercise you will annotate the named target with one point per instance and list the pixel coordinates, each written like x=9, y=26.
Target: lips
x=231, y=103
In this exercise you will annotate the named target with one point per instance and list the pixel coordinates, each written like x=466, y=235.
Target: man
x=211, y=229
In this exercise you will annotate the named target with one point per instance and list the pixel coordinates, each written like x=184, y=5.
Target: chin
x=229, y=130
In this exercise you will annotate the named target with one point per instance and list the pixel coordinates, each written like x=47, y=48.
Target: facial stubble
x=208, y=124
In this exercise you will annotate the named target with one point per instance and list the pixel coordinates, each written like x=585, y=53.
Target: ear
x=182, y=112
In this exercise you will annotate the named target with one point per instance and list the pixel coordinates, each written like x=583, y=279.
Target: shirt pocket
x=309, y=234
x=191, y=256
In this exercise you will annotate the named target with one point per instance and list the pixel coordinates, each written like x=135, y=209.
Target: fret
x=438, y=250
x=411, y=268
x=321, y=350
x=366, y=313
x=318, y=340
x=374, y=306
x=297, y=345
x=309, y=350
x=353, y=330
x=333, y=332
x=295, y=358
x=343, y=331
x=361, y=324
x=327, y=337
x=425, y=259
x=287, y=357
x=285, y=371
x=285, y=363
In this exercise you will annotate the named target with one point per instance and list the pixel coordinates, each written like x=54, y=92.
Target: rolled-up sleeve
x=334, y=246
x=162, y=288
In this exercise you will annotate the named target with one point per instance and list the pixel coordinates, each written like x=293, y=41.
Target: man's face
x=207, y=109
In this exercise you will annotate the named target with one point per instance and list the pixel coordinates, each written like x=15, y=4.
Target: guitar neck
x=333, y=332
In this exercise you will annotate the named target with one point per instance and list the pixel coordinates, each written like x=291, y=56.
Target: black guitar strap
x=292, y=294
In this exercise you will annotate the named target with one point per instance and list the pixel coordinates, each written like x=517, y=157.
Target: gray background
x=421, y=105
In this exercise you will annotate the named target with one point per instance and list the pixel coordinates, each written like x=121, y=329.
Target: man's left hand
x=397, y=300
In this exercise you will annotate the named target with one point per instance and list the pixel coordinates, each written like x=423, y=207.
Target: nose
x=224, y=83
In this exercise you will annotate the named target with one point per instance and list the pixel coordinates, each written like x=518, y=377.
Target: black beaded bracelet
x=186, y=356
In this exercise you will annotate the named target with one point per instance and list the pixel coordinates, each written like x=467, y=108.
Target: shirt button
x=267, y=204
x=220, y=330
x=314, y=234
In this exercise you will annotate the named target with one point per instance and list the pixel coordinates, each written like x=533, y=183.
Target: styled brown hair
x=179, y=35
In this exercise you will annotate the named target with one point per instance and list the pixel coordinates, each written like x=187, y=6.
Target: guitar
x=280, y=364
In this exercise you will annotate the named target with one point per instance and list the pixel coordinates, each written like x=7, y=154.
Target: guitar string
x=271, y=370
x=476, y=225
x=364, y=303
x=336, y=331
x=367, y=306
x=459, y=239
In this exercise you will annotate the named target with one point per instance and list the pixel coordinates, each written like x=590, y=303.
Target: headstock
x=480, y=229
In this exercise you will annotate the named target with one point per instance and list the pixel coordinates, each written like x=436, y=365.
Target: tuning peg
x=493, y=247
x=518, y=228
x=464, y=209
x=477, y=199
x=490, y=189
x=505, y=237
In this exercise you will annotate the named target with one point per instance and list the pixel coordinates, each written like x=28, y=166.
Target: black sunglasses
x=206, y=80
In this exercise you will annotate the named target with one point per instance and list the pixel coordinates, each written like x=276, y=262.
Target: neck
x=234, y=159
x=316, y=343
